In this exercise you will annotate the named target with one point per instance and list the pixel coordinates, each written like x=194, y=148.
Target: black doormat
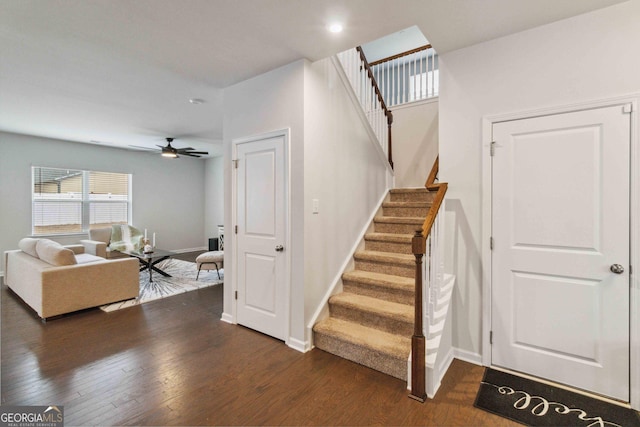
x=536, y=404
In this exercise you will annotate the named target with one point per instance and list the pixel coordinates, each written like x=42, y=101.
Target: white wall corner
x=228, y=318
x=435, y=375
x=301, y=346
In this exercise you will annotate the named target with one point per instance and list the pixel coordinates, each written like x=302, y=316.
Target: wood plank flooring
x=173, y=362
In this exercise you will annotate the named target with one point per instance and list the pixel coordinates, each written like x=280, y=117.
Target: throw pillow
x=28, y=246
x=53, y=253
x=125, y=238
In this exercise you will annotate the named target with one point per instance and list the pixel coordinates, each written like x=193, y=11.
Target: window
x=66, y=201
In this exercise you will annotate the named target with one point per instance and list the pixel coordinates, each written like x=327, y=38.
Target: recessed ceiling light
x=336, y=27
x=196, y=101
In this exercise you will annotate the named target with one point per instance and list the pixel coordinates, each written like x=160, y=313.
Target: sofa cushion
x=28, y=245
x=53, y=253
x=87, y=258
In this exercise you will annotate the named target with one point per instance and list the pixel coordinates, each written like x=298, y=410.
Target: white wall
x=415, y=142
x=343, y=171
x=214, y=196
x=588, y=57
x=167, y=193
x=269, y=102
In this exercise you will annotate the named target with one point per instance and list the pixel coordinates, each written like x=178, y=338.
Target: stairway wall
x=415, y=142
x=343, y=171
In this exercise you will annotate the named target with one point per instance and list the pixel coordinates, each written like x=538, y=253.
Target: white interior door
x=261, y=217
x=560, y=220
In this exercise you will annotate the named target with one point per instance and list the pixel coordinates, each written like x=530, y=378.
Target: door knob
x=280, y=248
x=617, y=268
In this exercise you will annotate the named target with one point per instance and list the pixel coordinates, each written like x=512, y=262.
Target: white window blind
x=67, y=201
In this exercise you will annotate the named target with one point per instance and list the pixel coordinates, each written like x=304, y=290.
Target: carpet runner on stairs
x=371, y=321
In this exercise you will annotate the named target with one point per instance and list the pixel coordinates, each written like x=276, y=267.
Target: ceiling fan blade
x=192, y=152
x=143, y=148
x=190, y=155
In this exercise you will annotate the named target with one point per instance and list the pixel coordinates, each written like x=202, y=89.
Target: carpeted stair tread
x=406, y=209
x=411, y=194
x=385, y=257
x=389, y=242
x=393, y=345
x=394, y=310
x=398, y=224
x=379, y=285
x=370, y=347
x=406, y=204
x=399, y=264
x=380, y=279
x=389, y=237
x=399, y=220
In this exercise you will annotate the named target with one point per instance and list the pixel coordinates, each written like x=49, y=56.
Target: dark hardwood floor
x=173, y=362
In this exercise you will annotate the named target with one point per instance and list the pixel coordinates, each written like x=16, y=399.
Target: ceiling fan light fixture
x=169, y=151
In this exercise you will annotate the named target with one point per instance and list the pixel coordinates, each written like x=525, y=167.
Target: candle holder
x=147, y=249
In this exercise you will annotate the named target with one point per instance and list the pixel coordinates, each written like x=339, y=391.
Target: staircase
x=371, y=321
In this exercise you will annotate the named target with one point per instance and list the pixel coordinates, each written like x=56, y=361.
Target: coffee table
x=148, y=261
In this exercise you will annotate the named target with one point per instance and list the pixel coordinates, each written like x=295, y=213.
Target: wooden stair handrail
x=376, y=89
x=433, y=175
x=419, y=246
x=400, y=55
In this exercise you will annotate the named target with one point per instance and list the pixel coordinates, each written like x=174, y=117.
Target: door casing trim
x=634, y=298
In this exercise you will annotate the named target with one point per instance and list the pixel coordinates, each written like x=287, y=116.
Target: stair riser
x=405, y=212
x=412, y=197
x=382, y=246
x=386, y=268
x=372, y=320
x=385, y=227
x=366, y=289
x=362, y=355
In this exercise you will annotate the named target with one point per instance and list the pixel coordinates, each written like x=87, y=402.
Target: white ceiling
x=392, y=44
x=121, y=72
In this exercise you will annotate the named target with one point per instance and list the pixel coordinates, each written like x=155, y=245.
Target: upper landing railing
x=408, y=76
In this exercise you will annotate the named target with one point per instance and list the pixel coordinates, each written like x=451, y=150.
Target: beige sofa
x=55, y=280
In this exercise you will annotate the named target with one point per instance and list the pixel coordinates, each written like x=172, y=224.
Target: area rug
x=183, y=280
x=536, y=404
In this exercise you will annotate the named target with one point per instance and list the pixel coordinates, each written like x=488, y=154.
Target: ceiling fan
x=173, y=152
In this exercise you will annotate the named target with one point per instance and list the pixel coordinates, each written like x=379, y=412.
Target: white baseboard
x=301, y=346
x=226, y=317
x=467, y=356
x=182, y=251
x=438, y=374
